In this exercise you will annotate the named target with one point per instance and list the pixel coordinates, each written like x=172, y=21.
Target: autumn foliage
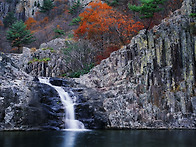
x=104, y=26
x=100, y=19
x=30, y=22
x=106, y=53
x=1, y=23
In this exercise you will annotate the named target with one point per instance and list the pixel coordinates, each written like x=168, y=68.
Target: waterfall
x=70, y=122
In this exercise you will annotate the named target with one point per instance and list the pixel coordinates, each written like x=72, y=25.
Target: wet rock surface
x=88, y=103
x=27, y=104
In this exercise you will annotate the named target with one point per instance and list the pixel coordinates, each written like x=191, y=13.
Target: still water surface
x=109, y=138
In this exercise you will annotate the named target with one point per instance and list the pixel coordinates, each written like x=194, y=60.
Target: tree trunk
x=20, y=49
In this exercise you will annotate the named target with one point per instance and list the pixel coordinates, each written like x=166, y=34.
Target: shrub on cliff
x=147, y=9
x=79, y=57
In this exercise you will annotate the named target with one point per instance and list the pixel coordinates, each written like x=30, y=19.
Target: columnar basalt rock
x=150, y=83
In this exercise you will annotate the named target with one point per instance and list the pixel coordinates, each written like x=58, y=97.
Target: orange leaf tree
x=30, y=22
x=104, y=26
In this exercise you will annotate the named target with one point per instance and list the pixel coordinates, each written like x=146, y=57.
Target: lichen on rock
x=150, y=83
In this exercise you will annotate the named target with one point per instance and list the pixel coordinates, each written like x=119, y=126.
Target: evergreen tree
x=147, y=8
x=47, y=6
x=9, y=19
x=18, y=35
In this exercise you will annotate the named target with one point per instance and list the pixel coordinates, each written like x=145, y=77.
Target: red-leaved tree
x=104, y=26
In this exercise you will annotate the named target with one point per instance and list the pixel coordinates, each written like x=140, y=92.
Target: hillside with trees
x=107, y=25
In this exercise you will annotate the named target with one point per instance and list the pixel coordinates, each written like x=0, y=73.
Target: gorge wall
x=29, y=7
x=151, y=83
x=22, y=8
x=26, y=8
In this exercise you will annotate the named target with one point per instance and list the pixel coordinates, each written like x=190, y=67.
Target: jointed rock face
x=151, y=82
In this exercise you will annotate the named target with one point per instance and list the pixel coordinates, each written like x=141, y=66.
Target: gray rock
x=150, y=83
x=26, y=104
x=48, y=61
x=88, y=103
x=55, y=44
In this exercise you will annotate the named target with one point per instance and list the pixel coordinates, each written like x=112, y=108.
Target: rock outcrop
x=24, y=102
x=27, y=104
x=88, y=103
x=29, y=7
x=26, y=8
x=47, y=61
x=22, y=8
x=7, y=6
x=151, y=83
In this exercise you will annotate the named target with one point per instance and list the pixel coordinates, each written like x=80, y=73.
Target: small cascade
x=70, y=122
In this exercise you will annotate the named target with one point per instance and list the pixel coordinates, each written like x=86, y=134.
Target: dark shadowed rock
x=88, y=103
x=56, y=81
x=26, y=104
x=89, y=109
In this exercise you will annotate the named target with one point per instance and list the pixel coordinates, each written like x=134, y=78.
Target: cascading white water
x=68, y=103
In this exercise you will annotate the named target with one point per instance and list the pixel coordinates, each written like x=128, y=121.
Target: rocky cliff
x=22, y=8
x=29, y=7
x=47, y=61
x=26, y=8
x=27, y=104
x=24, y=101
x=151, y=83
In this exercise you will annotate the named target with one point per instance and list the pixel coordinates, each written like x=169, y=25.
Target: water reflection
x=69, y=138
x=133, y=138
